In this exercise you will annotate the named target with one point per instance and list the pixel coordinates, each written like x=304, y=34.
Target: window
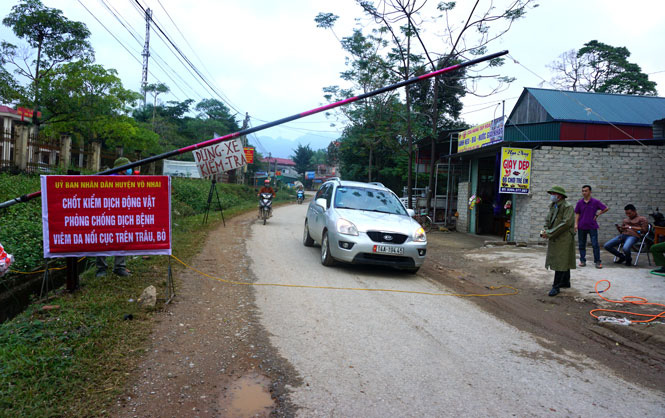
x=373, y=200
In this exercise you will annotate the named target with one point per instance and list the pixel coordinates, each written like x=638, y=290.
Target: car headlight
x=419, y=235
x=347, y=228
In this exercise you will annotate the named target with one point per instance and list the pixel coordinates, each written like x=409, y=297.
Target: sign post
x=214, y=160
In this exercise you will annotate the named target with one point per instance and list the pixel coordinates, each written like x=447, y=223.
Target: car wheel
x=326, y=258
x=307, y=240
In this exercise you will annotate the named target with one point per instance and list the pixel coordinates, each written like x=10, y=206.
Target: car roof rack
x=337, y=179
x=376, y=183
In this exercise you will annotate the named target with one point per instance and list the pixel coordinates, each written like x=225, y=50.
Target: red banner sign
x=25, y=112
x=106, y=215
x=249, y=155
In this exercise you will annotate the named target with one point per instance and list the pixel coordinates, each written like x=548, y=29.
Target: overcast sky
x=268, y=57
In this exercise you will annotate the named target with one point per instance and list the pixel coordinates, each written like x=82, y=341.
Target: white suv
x=364, y=223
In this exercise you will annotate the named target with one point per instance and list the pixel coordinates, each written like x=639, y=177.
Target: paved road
x=391, y=354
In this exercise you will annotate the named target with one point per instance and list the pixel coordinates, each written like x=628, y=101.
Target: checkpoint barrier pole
x=27, y=197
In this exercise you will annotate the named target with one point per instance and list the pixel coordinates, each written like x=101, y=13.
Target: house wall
x=619, y=175
x=462, y=207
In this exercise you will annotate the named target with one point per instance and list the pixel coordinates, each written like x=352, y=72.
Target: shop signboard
x=515, y=170
x=106, y=215
x=309, y=175
x=249, y=155
x=483, y=135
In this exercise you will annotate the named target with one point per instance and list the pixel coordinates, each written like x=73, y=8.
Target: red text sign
x=25, y=112
x=106, y=215
x=249, y=155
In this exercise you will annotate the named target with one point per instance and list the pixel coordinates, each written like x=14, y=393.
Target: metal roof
x=599, y=107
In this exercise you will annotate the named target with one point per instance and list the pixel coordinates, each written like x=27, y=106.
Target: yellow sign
x=515, y=170
x=482, y=135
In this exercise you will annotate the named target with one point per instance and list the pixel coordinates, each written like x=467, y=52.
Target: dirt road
x=366, y=353
x=238, y=350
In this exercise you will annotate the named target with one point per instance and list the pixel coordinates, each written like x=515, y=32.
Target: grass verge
x=74, y=360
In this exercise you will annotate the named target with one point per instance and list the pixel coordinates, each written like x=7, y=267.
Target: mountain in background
x=284, y=148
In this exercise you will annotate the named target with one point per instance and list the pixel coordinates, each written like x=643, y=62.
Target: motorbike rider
x=300, y=192
x=266, y=189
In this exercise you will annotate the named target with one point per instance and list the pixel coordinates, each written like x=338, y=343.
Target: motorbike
x=658, y=218
x=300, y=196
x=265, y=206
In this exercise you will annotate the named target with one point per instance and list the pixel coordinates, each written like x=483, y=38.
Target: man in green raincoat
x=560, y=233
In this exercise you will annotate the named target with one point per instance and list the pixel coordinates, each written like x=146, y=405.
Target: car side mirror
x=411, y=212
x=322, y=202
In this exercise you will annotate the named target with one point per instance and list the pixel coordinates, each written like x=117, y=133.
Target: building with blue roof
x=613, y=142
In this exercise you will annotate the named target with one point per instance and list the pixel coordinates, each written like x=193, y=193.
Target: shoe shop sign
x=106, y=215
x=515, y=170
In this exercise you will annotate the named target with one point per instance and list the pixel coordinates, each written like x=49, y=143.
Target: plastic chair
x=642, y=244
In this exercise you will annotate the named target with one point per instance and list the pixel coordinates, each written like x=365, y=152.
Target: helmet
x=267, y=181
x=121, y=161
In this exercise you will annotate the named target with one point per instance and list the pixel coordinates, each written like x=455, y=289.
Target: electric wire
x=120, y=42
x=183, y=63
x=185, y=39
x=125, y=23
x=586, y=108
x=189, y=62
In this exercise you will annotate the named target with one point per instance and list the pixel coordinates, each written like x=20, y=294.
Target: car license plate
x=388, y=249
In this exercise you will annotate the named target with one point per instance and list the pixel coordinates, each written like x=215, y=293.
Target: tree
x=601, y=68
x=302, y=156
x=332, y=154
x=400, y=52
x=155, y=90
x=54, y=39
x=88, y=101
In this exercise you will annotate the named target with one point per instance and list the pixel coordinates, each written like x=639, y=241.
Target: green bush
x=21, y=227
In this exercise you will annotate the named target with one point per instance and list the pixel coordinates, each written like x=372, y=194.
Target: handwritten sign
x=106, y=215
x=515, y=170
x=212, y=161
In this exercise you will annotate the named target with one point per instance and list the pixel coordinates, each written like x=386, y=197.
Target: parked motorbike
x=265, y=206
x=658, y=218
x=300, y=196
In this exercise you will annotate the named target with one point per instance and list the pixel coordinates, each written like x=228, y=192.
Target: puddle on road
x=248, y=397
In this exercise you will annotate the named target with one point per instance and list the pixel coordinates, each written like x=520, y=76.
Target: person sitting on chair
x=629, y=230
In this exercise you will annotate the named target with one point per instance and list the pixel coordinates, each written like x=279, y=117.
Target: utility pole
x=146, y=54
x=240, y=173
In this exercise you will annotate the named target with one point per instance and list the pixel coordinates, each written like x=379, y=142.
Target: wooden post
x=72, y=263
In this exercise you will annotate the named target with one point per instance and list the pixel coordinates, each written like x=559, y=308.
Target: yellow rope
x=41, y=271
x=219, y=279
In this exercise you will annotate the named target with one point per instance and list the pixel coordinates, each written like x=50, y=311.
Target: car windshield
x=373, y=200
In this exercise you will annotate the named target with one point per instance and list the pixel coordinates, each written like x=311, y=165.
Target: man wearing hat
x=560, y=233
x=119, y=264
